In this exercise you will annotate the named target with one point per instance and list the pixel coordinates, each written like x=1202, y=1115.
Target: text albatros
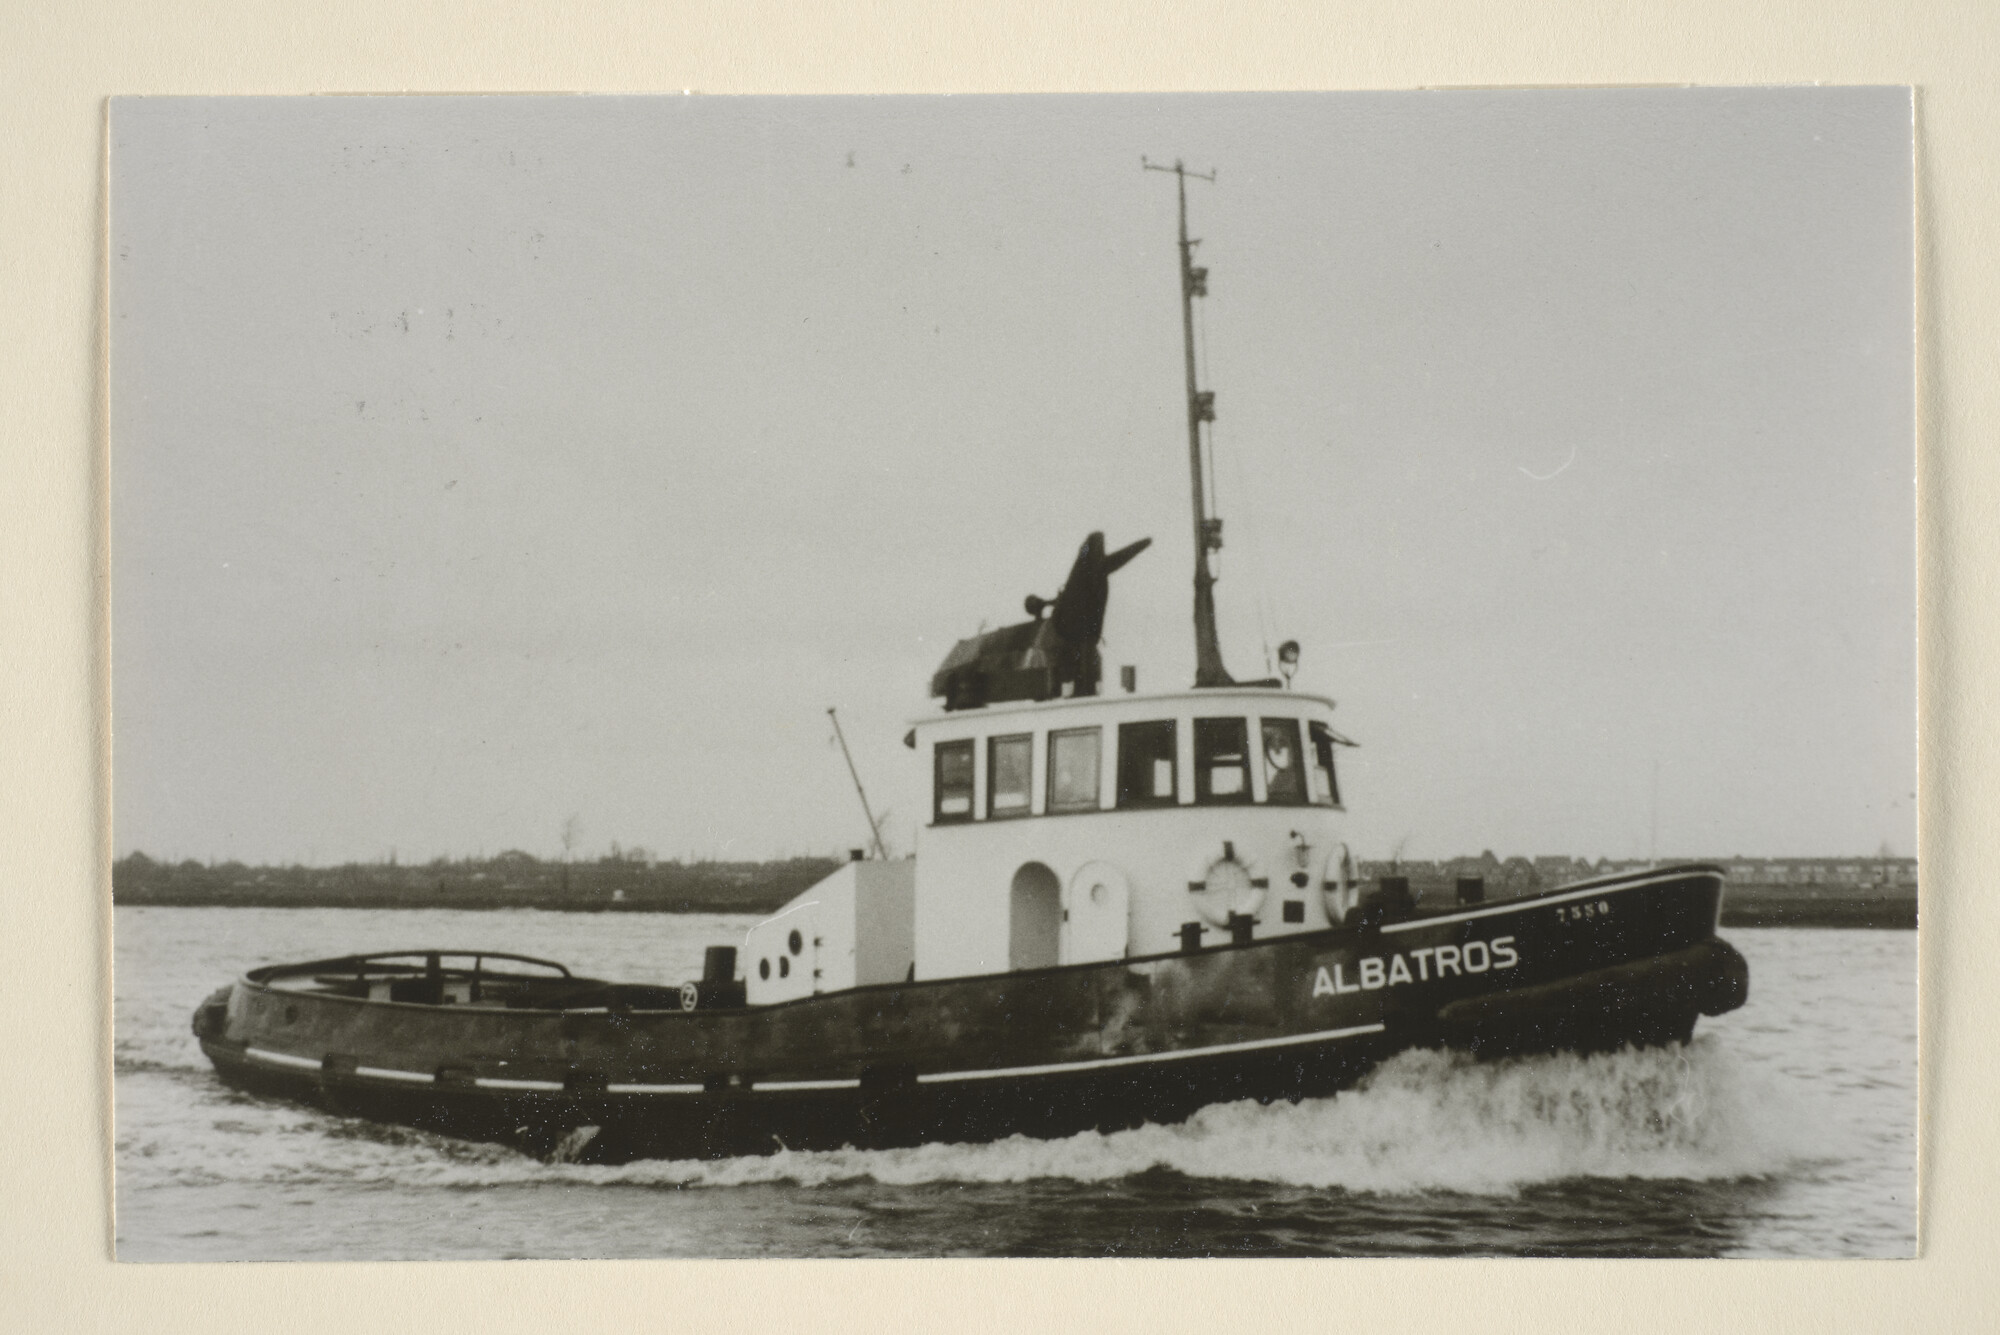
x=1431, y=961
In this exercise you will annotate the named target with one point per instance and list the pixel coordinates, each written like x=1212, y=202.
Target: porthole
x=795, y=941
x=784, y=967
x=763, y=968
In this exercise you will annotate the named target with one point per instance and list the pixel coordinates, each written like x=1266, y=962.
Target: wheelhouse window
x=1073, y=759
x=1221, y=760
x=1146, y=764
x=1325, y=786
x=1010, y=772
x=1284, y=766
x=953, y=766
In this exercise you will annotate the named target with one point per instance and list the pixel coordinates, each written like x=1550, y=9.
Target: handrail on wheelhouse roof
x=358, y=963
x=1206, y=700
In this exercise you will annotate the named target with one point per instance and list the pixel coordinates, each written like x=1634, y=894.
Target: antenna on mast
x=1208, y=668
x=874, y=829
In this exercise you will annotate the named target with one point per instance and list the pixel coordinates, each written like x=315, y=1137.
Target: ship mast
x=874, y=827
x=1208, y=669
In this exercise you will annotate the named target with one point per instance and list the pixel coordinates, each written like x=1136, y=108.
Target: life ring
x=1339, y=884
x=1227, y=884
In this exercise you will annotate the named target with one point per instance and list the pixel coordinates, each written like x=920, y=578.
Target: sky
x=485, y=465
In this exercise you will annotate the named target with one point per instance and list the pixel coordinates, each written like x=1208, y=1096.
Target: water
x=1784, y=1129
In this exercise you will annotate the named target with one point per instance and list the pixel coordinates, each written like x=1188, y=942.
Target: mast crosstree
x=1208, y=668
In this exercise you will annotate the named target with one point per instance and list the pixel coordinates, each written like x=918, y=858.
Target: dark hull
x=1628, y=961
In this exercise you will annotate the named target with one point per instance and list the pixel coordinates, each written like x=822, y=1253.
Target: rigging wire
x=1260, y=583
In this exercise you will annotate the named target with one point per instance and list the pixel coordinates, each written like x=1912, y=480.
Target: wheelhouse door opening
x=1034, y=919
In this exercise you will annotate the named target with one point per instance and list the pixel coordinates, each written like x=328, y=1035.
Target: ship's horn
x=1078, y=615
x=1116, y=561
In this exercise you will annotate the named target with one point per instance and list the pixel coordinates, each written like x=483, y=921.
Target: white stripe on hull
x=933, y=1077
x=310, y=1064
x=497, y=1082
x=1178, y=1054
x=386, y=1073
x=282, y=1059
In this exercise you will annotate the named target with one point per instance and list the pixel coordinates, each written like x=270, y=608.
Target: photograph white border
x=60, y=65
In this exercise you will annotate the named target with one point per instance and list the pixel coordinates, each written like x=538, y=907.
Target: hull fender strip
x=1181, y=1054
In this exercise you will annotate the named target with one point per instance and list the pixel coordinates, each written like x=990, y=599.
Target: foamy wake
x=1424, y=1121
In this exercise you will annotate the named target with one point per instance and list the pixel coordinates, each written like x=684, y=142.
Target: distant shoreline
x=1886, y=917
x=1877, y=917
x=414, y=903
x=515, y=881
x=1801, y=906
x=509, y=881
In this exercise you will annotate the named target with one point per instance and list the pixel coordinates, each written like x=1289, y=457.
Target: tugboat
x=1124, y=907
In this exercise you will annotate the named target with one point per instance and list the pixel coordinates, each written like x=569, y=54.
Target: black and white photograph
x=1199, y=675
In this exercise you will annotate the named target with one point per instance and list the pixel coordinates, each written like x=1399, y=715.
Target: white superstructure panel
x=852, y=928
x=992, y=888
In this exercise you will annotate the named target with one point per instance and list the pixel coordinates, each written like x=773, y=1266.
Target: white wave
x=1424, y=1121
